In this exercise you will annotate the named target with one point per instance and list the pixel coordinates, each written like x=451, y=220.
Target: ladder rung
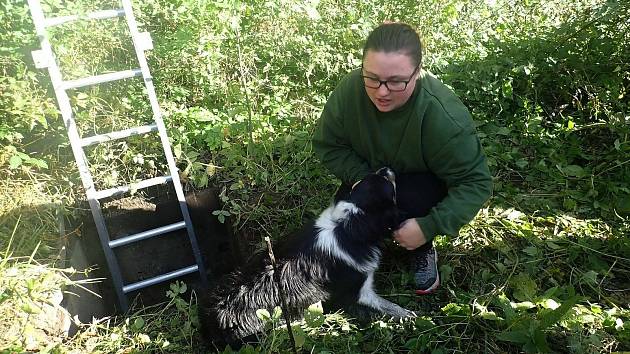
x=99, y=79
x=147, y=234
x=96, y=15
x=118, y=135
x=159, y=279
x=135, y=186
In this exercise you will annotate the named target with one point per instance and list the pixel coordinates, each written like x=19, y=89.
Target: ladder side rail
x=157, y=116
x=73, y=134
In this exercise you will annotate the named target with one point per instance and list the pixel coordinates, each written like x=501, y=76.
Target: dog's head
x=375, y=195
x=376, y=191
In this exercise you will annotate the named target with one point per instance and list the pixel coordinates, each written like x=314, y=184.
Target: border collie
x=332, y=260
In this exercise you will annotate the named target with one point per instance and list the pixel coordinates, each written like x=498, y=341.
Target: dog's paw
x=410, y=314
x=404, y=314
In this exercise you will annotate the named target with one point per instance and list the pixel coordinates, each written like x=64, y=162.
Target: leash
x=283, y=299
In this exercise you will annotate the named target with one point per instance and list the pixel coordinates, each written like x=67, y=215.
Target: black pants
x=416, y=194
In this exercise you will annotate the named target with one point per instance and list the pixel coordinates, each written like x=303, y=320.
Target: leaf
x=506, y=306
x=15, y=162
x=619, y=324
x=549, y=304
x=314, y=315
x=37, y=163
x=517, y=336
x=312, y=13
x=531, y=250
x=589, y=277
x=550, y=292
x=501, y=267
x=549, y=319
x=445, y=273
x=138, y=323
x=507, y=89
x=485, y=313
x=596, y=309
x=521, y=163
x=411, y=344
x=486, y=275
x=540, y=340
x=524, y=287
x=490, y=315
x=143, y=338
x=596, y=263
x=573, y=171
x=520, y=306
x=424, y=323
x=182, y=288
x=174, y=288
x=553, y=245
x=299, y=336
x=177, y=150
x=622, y=205
x=30, y=308
x=456, y=309
x=438, y=351
x=513, y=214
x=451, y=309
x=81, y=99
x=569, y=204
x=263, y=314
x=503, y=131
x=277, y=312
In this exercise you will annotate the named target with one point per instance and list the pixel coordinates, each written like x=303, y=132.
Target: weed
x=543, y=267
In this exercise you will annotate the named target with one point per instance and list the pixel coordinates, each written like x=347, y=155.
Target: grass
x=543, y=267
x=508, y=269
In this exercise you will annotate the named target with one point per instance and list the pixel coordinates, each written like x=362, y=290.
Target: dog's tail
x=230, y=312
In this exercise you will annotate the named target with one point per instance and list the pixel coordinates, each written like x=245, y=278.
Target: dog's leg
x=368, y=297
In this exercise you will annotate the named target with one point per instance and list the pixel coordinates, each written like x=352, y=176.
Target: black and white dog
x=332, y=260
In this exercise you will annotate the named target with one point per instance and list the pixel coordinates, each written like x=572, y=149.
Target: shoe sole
x=431, y=290
x=434, y=286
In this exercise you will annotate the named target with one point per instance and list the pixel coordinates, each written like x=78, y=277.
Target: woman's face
x=394, y=66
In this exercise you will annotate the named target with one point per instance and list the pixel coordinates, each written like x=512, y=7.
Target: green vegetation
x=544, y=267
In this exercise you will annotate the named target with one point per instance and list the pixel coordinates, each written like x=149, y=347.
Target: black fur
x=309, y=272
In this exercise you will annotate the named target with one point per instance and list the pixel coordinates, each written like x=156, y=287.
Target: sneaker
x=426, y=273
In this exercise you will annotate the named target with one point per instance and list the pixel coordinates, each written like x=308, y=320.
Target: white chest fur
x=327, y=241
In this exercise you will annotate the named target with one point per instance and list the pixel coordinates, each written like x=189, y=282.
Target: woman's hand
x=409, y=235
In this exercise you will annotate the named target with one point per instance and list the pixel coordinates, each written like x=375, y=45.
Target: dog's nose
x=387, y=173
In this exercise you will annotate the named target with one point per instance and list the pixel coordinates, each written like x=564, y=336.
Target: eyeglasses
x=392, y=85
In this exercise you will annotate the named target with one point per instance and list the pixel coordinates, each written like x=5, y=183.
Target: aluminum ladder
x=45, y=58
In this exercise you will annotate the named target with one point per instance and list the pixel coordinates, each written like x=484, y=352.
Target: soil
x=151, y=257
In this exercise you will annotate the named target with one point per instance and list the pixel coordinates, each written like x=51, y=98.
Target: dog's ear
x=373, y=193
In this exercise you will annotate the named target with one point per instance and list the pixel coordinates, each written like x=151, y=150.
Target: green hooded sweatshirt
x=433, y=131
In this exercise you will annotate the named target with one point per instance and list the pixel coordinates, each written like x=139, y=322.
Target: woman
x=392, y=113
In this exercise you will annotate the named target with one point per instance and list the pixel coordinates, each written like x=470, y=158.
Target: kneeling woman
x=391, y=112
